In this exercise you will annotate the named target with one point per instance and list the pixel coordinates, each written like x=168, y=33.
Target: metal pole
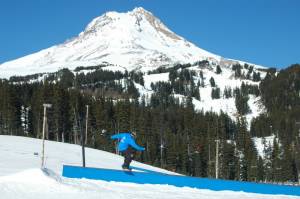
x=188, y=145
x=209, y=160
x=86, y=123
x=44, y=129
x=74, y=127
x=83, y=149
x=161, y=151
x=217, y=159
x=117, y=148
x=82, y=142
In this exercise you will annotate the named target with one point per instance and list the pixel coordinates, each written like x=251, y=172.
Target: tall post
x=189, y=155
x=83, y=138
x=161, y=151
x=86, y=123
x=188, y=145
x=115, y=132
x=209, y=161
x=83, y=149
x=217, y=159
x=44, y=129
x=161, y=129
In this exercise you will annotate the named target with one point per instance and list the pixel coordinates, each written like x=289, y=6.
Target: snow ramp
x=143, y=176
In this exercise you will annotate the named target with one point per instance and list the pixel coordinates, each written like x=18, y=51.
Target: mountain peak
x=140, y=10
x=133, y=40
x=138, y=14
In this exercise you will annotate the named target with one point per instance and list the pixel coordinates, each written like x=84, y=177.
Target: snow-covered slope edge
x=19, y=153
x=21, y=177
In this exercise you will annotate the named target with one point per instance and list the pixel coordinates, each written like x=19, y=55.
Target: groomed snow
x=21, y=152
x=21, y=178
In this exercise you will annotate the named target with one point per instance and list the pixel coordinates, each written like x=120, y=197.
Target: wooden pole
x=44, y=129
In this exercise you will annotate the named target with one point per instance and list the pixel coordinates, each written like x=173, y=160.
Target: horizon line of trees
x=186, y=137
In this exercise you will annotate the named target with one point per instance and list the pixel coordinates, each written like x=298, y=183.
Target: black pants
x=128, y=156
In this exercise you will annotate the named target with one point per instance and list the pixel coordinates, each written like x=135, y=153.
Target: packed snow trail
x=18, y=154
x=22, y=178
x=35, y=184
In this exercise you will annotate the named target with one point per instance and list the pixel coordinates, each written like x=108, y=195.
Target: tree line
x=175, y=135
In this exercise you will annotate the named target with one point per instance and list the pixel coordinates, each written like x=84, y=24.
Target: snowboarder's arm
x=117, y=136
x=134, y=145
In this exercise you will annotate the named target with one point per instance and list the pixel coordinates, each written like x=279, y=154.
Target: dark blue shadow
x=145, y=170
x=128, y=173
x=179, y=181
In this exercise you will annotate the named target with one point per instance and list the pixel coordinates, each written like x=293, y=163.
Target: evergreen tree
x=260, y=170
x=218, y=70
x=237, y=68
x=66, y=78
x=123, y=115
x=172, y=75
x=212, y=82
x=215, y=93
x=276, y=156
x=227, y=92
x=241, y=102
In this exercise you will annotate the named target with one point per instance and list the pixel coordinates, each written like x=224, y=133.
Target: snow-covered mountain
x=137, y=40
x=132, y=40
x=22, y=178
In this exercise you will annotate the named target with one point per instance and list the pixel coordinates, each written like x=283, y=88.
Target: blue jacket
x=126, y=139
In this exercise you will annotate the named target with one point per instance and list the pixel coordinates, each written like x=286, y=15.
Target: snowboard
x=127, y=170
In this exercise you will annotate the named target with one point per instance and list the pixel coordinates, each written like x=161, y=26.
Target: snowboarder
x=126, y=146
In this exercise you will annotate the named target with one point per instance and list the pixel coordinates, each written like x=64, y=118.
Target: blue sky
x=265, y=32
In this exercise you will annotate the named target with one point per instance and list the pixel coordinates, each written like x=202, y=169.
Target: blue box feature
x=149, y=177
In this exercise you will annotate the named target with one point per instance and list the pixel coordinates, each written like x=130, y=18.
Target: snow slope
x=263, y=143
x=21, y=178
x=206, y=103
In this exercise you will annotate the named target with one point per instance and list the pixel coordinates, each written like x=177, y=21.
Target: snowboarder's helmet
x=133, y=133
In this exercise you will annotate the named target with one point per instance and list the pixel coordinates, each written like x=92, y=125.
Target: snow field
x=22, y=178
